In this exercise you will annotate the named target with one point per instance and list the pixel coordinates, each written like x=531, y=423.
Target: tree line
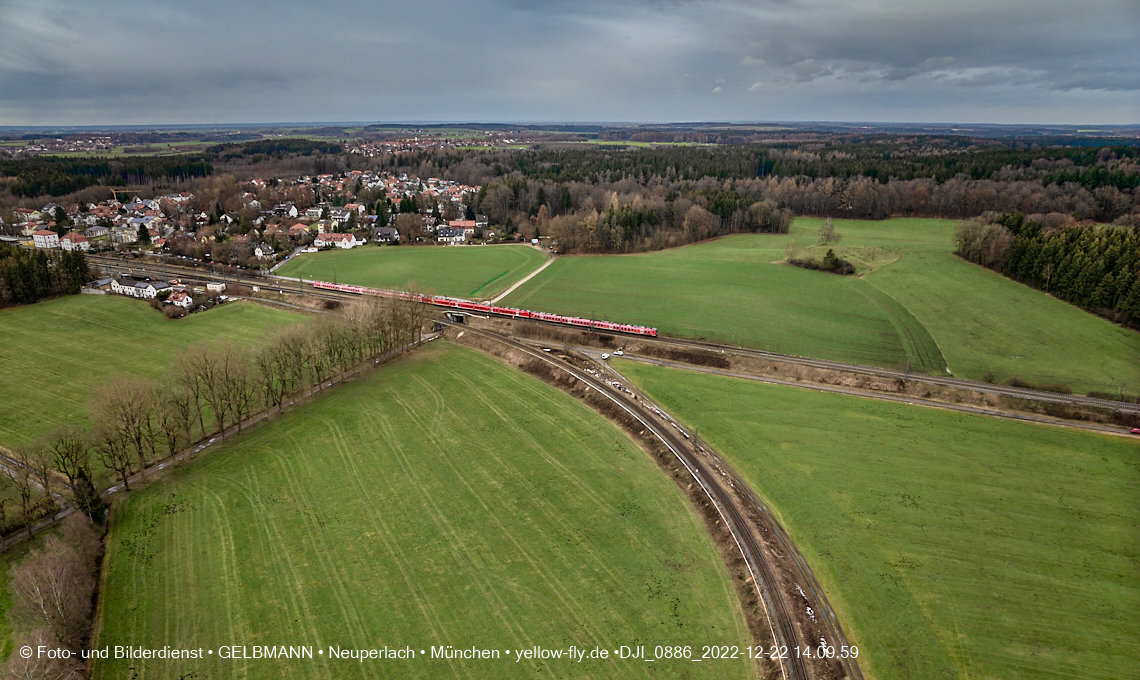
x=1095, y=268
x=30, y=275
x=56, y=176
x=211, y=388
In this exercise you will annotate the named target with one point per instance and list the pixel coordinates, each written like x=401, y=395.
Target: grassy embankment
x=55, y=355
x=911, y=298
x=473, y=272
x=951, y=545
x=443, y=500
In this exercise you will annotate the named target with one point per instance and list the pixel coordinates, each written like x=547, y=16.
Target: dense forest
x=56, y=176
x=28, y=276
x=265, y=149
x=1096, y=268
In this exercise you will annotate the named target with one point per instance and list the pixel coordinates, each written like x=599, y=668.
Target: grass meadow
x=446, y=499
x=54, y=355
x=950, y=545
x=911, y=297
x=474, y=272
x=734, y=290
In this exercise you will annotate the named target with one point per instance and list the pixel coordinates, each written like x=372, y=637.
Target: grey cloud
x=69, y=61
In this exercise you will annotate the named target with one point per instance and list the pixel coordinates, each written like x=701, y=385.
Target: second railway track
x=688, y=451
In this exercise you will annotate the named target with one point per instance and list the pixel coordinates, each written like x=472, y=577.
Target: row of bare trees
x=215, y=387
x=211, y=388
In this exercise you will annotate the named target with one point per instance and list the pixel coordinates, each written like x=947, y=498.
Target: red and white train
x=440, y=301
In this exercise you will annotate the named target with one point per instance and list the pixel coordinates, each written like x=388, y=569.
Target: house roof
x=44, y=232
x=73, y=236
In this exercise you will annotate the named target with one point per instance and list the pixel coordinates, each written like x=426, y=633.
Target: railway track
x=283, y=285
x=957, y=383
x=711, y=472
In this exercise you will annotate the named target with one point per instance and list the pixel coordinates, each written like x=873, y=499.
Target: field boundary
x=196, y=447
x=771, y=559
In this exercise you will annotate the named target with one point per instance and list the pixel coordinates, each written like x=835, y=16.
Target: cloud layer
x=204, y=61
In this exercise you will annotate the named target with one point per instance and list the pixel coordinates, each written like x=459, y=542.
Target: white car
x=605, y=356
x=619, y=353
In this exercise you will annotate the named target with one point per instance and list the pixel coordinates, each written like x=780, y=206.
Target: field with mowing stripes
x=950, y=545
x=732, y=290
x=55, y=354
x=471, y=272
x=912, y=298
x=446, y=499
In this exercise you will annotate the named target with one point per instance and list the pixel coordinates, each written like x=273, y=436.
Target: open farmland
x=446, y=499
x=950, y=545
x=913, y=298
x=733, y=290
x=473, y=272
x=57, y=353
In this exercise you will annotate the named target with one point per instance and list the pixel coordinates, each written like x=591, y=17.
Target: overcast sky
x=85, y=62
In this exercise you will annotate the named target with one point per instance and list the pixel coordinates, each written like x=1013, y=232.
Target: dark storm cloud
x=136, y=61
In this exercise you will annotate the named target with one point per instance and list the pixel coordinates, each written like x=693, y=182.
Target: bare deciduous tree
x=827, y=233
x=53, y=588
x=38, y=667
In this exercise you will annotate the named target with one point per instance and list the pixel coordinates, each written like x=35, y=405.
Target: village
x=268, y=220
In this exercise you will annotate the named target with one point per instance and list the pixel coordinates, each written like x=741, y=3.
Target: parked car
x=1136, y=430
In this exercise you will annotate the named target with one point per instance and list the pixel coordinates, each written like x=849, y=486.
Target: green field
x=950, y=545
x=912, y=298
x=475, y=272
x=731, y=290
x=446, y=499
x=54, y=355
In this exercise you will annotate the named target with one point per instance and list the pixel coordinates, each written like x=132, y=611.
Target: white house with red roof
x=45, y=238
x=180, y=299
x=74, y=241
x=339, y=240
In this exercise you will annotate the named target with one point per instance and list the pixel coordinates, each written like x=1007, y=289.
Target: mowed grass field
x=912, y=298
x=446, y=499
x=950, y=545
x=733, y=290
x=474, y=272
x=55, y=355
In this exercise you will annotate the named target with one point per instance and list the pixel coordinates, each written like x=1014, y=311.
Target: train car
x=454, y=303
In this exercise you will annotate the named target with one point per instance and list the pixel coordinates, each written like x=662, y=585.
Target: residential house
x=387, y=234
x=285, y=210
x=74, y=241
x=298, y=230
x=450, y=235
x=179, y=299
x=95, y=231
x=263, y=251
x=132, y=287
x=45, y=238
x=468, y=227
x=345, y=241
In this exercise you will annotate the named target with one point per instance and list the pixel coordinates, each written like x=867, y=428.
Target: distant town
x=272, y=219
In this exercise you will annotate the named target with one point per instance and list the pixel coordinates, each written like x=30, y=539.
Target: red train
x=454, y=303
